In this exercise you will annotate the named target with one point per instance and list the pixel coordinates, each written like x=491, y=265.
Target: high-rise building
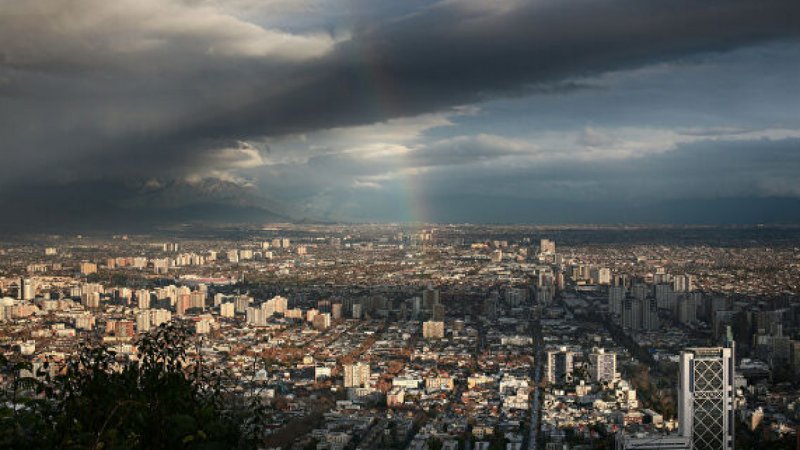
x=241, y=303
x=547, y=247
x=489, y=308
x=159, y=316
x=430, y=297
x=640, y=291
x=202, y=324
x=120, y=328
x=336, y=311
x=603, y=275
x=143, y=298
x=665, y=296
x=143, y=321
x=268, y=308
x=124, y=294
x=294, y=313
x=640, y=314
x=616, y=294
x=84, y=322
x=255, y=316
x=515, y=297
x=324, y=305
x=433, y=330
x=183, y=304
x=219, y=297
x=705, y=397
x=27, y=289
x=602, y=365
x=650, y=314
x=631, y=313
x=281, y=304
x=356, y=375
x=88, y=268
x=356, y=311
x=687, y=308
x=559, y=365
x=794, y=357
x=438, y=312
x=197, y=299
x=682, y=283
x=90, y=299
x=544, y=294
x=227, y=309
x=322, y=321
x=161, y=266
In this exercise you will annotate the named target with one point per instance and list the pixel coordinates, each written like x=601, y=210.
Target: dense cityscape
x=453, y=337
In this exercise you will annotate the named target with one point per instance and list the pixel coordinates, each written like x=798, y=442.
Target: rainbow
x=386, y=103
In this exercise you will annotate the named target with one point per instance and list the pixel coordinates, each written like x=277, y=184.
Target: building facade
x=705, y=397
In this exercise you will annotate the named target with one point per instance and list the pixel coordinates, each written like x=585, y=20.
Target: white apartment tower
x=602, y=365
x=27, y=289
x=603, y=275
x=227, y=310
x=143, y=298
x=143, y=323
x=559, y=365
x=683, y=283
x=356, y=375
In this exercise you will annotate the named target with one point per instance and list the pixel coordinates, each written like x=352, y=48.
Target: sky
x=509, y=111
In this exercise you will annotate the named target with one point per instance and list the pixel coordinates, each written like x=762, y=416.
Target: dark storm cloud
x=704, y=169
x=448, y=55
x=148, y=92
x=729, y=181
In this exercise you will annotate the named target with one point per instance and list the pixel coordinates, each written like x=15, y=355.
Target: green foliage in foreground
x=100, y=403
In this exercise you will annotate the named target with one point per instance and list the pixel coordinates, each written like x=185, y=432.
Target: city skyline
x=165, y=111
x=376, y=337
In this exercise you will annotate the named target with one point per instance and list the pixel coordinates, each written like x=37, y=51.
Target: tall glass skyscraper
x=705, y=397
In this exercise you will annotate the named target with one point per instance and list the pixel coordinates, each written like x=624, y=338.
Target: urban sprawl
x=439, y=337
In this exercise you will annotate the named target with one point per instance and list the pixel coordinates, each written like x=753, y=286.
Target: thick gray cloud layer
x=136, y=90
